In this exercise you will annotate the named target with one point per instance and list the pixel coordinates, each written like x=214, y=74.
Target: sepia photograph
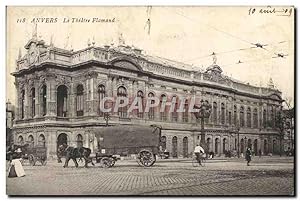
x=150, y=101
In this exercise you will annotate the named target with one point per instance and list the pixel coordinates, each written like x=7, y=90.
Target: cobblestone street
x=265, y=176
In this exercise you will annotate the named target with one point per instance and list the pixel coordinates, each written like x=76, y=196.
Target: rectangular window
x=229, y=118
x=79, y=105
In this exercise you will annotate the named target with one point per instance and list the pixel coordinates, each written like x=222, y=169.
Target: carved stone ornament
x=33, y=53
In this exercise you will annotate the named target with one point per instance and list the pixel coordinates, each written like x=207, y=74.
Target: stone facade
x=289, y=129
x=58, y=93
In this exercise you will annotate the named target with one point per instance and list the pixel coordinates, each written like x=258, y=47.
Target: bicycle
x=202, y=160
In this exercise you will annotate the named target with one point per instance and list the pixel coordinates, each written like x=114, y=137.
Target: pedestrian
x=16, y=168
x=259, y=153
x=248, y=156
x=160, y=151
x=198, y=151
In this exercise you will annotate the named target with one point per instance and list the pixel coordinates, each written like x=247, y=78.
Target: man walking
x=248, y=156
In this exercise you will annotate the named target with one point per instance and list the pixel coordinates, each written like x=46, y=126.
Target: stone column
x=72, y=101
x=37, y=100
x=94, y=98
x=26, y=100
x=86, y=140
x=179, y=146
x=180, y=114
x=17, y=102
x=86, y=97
x=53, y=143
x=51, y=99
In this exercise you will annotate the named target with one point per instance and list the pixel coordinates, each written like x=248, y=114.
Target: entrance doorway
x=255, y=147
x=62, y=139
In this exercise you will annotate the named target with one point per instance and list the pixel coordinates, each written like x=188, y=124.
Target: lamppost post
x=245, y=144
x=106, y=117
x=238, y=139
x=204, y=112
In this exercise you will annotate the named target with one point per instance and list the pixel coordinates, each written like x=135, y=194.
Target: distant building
x=289, y=129
x=9, y=122
x=59, y=90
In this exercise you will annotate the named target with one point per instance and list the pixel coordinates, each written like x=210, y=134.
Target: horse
x=74, y=153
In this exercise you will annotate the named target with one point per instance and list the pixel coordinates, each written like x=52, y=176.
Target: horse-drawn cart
x=35, y=154
x=143, y=141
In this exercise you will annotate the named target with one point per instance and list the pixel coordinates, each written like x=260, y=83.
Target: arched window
x=31, y=141
x=249, y=144
x=272, y=117
x=235, y=115
x=174, y=147
x=255, y=118
x=122, y=92
x=229, y=118
x=20, y=140
x=265, y=147
x=265, y=118
x=185, y=117
x=79, y=140
x=216, y=145
x=208, y=142
x=151, y=110
x=79, y=100
x=235, y=143
x=274, y=147
x=215, y=114
x=224, y=145
x=22, y=104
x=174, y=112
x=163, y=100
x=163, y=143
x=44, y=100
x=222, y=113
x=62, y=101
x=140, y=95
x=242, y=144
x=42, y=141
x=242, y=118
x=249, y=117
x=32, y=102
x=101, y=95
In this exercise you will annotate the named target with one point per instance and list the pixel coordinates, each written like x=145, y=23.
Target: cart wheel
x=113, y=161
x=32, y=160
x=106, y=162
x=146, y=158
x=44, y=161
x=94, y=161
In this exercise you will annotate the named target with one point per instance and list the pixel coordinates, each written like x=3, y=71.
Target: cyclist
x=198, y=151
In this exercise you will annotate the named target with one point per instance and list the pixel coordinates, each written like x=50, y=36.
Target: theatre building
x=59, y=92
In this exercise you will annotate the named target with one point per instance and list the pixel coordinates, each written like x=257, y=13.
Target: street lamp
x=202, y=114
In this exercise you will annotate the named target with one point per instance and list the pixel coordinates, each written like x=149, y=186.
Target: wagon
x=35, y=154
x=121, y=140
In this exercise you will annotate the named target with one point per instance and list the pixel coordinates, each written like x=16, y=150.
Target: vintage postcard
x=150, y=100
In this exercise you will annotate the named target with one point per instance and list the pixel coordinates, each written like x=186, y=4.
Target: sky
x=184, y=34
